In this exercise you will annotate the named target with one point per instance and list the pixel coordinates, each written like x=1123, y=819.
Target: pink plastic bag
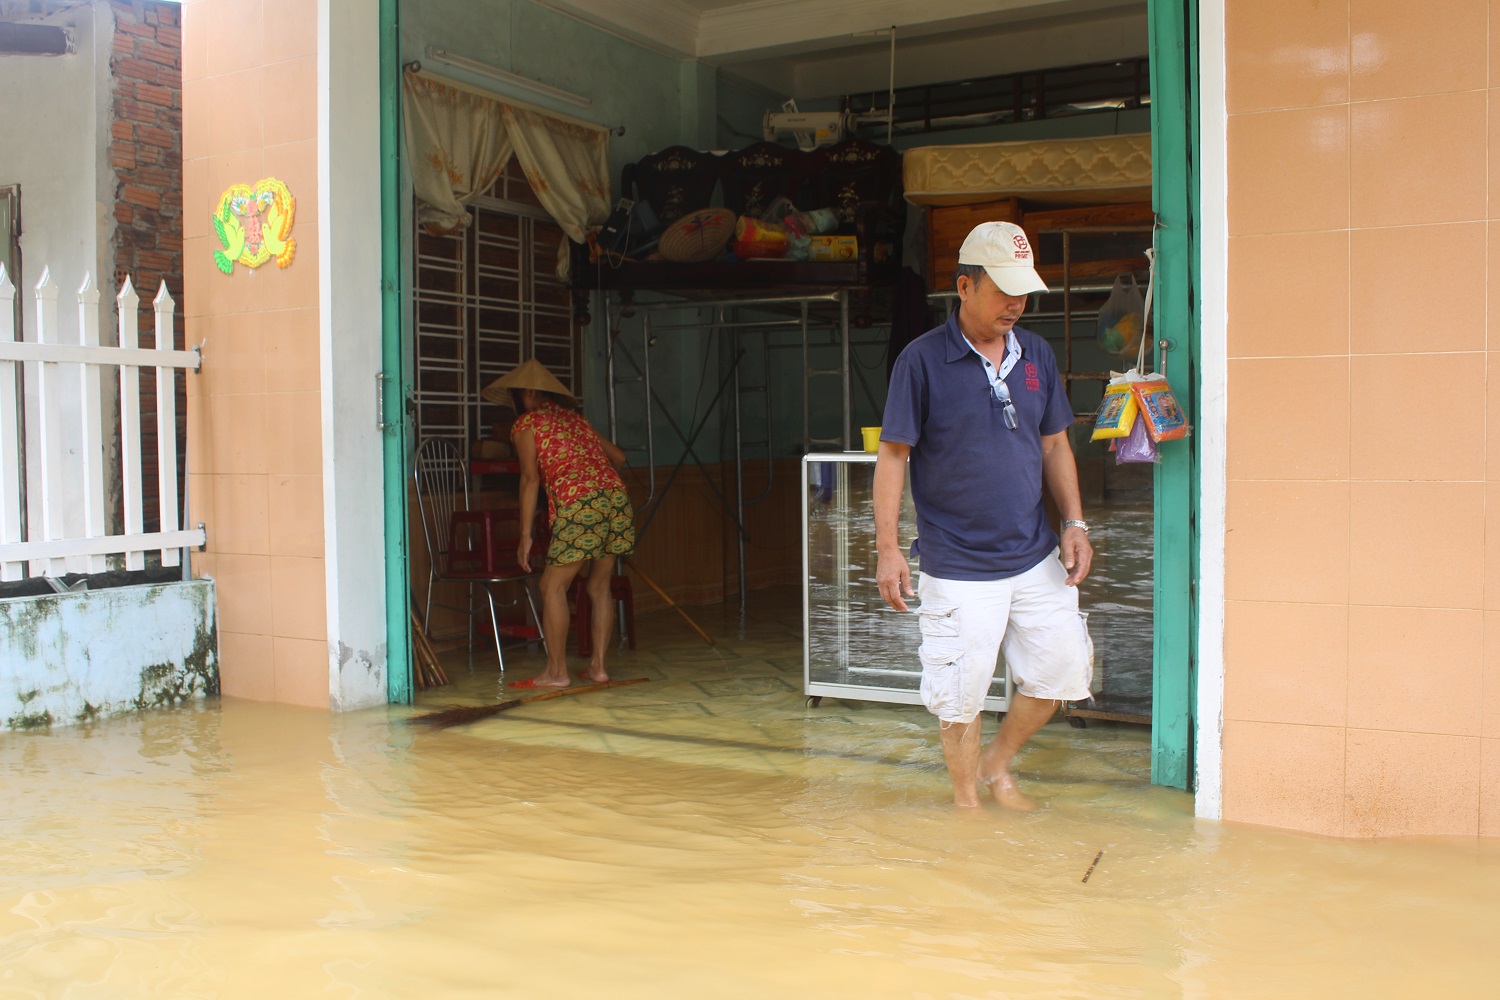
x=1137, y=446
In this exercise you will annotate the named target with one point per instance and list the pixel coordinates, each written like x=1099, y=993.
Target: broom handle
x=663, y=595
x=563, y=692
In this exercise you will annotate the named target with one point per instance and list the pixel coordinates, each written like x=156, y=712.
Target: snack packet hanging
x=1160, y=410
x=1117, y=412
x=1136, y=447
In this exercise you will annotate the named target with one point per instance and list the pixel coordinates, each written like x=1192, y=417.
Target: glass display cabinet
x=853, y=645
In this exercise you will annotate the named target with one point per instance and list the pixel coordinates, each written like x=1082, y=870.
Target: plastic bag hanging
x=1122, y=318
x=1116, y=416
x=1160, y=411
x=1137, y=447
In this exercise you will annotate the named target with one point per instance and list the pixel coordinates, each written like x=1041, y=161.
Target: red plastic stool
x=620, y=591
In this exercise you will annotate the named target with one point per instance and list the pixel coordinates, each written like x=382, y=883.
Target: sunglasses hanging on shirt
x=1008, y=408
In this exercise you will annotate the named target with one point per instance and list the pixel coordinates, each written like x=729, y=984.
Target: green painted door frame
x=393, y=414
x=1174, y=192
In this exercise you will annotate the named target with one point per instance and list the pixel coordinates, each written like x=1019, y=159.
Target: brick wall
x=145, y=152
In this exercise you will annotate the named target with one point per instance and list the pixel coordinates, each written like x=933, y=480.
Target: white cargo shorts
x=1032, y=618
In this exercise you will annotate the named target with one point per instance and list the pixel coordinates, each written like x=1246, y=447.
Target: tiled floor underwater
x=739, y=705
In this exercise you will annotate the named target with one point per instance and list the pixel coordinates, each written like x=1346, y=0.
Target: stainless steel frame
x=725, y=318
x=864, y=679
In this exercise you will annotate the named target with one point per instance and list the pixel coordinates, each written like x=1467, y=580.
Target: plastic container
x=872, y=439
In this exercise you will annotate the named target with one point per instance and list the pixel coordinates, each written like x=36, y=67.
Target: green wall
x=660, y=101
x=536, y=42
x=663, y=101
x=741, y=106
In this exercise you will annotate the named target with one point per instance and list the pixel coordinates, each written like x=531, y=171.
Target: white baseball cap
x=1006, y=255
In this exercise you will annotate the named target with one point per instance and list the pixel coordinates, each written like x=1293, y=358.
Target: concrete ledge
x=70, y=658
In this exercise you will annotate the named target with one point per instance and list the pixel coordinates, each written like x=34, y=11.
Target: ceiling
x=815, y=48
x=824, y=48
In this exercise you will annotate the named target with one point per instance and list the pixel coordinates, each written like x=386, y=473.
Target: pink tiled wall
x=255, y=438
x=1362, y=677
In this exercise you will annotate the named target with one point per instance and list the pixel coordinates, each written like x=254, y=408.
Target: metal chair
x=467, y=546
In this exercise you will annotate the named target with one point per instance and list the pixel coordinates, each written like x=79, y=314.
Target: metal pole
x=650, y=427
x=1067, y=301
x=746, y=324
x=890, y=101
x=609, y=370
x=806, y=388
x=739, y=472
x=767, y=300
x=848, y=379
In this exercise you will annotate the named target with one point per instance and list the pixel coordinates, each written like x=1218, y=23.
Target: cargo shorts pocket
x=941, y=654
x=1088, y=645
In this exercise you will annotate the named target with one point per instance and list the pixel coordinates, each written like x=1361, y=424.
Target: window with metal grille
x=487, y=297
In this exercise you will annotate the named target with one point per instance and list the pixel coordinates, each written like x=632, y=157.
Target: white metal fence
x=57, y=475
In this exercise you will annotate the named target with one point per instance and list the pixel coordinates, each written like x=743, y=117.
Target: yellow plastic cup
x=872, y=439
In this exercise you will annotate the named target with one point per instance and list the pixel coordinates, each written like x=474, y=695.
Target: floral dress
x=587, y=506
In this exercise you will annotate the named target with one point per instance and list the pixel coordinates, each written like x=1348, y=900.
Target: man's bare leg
x=554, y=587
x=601, y=616
x=1025, y=716
x=961, y=744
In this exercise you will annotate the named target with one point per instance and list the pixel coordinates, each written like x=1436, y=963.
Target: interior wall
x=742, y=105
x=255, y=428
x=1362, y=611
x=741, y=109
x=669, y=101
x=661, y=101
x=941, y=58
x=657, y=99
x=534, y=41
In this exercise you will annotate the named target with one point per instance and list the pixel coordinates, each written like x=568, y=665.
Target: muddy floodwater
x=704, y=834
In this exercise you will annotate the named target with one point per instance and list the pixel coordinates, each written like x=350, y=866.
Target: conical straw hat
x=527, y=375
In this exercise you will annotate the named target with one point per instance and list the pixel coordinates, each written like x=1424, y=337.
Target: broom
x=429, y=672
x=464, y=714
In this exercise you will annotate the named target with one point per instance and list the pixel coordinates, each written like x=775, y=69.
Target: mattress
x=1094, y=170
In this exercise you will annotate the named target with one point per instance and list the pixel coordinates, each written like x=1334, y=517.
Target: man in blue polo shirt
x=978, y=408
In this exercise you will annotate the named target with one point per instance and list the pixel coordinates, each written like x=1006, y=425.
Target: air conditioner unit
x=811, y=128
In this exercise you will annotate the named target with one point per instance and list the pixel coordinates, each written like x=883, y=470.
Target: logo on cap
x=1023, y=249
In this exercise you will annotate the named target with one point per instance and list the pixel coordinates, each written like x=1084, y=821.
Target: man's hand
x=1077, y=554
x=523, y=551
x=893, y=575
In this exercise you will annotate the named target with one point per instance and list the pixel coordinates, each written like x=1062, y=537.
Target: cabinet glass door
x=854, y=645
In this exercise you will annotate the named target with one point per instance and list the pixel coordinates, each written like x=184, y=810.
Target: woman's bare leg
x=554, y=587
x=602, y=617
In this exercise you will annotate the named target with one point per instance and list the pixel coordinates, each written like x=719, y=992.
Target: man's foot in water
x=1006, y=792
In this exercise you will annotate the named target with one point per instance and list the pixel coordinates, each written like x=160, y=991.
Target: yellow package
x=1117, y=412
x=827, y=248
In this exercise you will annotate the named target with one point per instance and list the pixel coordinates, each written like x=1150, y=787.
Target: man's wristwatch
x=1077, y=524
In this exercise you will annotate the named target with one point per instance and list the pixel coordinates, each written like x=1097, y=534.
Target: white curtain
x=566, y=164
x=456, y=145
x=459, y=142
